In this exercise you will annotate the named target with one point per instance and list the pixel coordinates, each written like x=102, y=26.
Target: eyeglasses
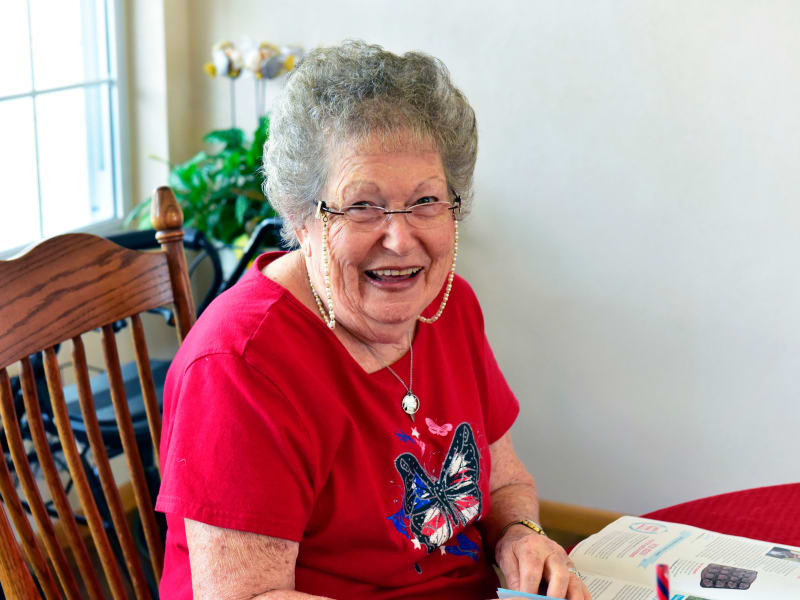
x=369, y=216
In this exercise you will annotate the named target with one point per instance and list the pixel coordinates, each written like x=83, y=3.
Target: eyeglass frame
x=322, y=207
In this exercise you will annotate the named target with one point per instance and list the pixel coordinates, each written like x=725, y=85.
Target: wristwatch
x=527, y=523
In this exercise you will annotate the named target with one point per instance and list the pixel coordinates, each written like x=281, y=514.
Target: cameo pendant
x=410, y=404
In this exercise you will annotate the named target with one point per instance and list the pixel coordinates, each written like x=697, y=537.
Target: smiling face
x=382, y=278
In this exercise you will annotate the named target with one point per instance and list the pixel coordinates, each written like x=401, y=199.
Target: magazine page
x=703, y=564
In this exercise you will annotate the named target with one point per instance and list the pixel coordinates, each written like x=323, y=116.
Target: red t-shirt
x=270, y=426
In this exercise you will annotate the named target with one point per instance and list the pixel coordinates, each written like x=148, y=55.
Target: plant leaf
x=256, y=151
x=230, y=137
x=219, y=190
x=138, y=217
x=242, y=204
x=230, y=165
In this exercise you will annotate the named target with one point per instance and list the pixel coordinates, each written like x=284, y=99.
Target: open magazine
x=619, y=563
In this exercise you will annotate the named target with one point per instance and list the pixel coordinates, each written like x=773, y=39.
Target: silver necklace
x=410, y=402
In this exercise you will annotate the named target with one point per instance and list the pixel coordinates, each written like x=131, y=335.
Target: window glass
x=75, y=166
x=16, y=69
x=68, y=40
x=19, y=206
x=59, y=118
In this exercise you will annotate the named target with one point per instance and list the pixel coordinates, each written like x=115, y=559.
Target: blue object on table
x=504, y=593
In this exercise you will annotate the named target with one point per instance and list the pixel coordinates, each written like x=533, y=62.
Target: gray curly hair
x=345, y=94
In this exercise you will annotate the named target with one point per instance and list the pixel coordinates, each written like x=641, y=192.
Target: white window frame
x=119, y=131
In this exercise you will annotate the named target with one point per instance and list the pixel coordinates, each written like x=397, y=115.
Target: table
x=768, y=513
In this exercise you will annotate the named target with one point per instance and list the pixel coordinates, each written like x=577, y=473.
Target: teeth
x=395, y=272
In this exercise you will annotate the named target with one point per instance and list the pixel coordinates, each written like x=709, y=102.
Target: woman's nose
x=398, y=236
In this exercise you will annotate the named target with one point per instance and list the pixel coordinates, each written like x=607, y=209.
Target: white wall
x=147, y=101
x=635, y=239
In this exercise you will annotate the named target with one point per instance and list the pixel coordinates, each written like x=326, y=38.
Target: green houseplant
x=219, y=191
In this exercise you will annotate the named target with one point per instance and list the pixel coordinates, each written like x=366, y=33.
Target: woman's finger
x=586, y=593
x=577, y=590
x=531, y=569
x=509, y=565
x=558, y=575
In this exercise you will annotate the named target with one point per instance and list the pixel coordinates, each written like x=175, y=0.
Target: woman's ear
x=304, y=239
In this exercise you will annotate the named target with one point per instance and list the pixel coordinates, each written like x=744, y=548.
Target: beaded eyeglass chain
x=327, y=315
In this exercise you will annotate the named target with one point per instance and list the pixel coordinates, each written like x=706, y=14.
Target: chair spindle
x=105, y=474
x=27, y=482
x=30, y=545
x=148, y=388
x=12, y=564
x=128, y=439
x=90, y=511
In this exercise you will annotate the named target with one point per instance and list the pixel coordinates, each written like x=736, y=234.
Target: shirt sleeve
x=235, y=452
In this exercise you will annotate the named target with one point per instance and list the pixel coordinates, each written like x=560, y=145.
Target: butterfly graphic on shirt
x=437, y=507
x=438, y=429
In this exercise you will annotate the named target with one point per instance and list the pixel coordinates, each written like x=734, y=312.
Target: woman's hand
x=527, y=558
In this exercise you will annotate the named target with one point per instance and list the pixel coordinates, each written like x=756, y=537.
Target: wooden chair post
x=167, y=219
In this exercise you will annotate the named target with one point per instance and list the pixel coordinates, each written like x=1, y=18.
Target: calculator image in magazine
x=730, y=578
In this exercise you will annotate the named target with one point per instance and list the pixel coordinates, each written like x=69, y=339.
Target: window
x=59, y=118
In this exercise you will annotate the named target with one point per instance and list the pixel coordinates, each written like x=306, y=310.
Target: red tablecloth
x=769, y=513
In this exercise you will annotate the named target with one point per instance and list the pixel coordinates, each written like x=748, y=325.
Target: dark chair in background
x=266, y=234
x=58, y=291
x=193, y=240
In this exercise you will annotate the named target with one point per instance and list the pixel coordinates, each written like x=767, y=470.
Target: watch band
x=526, y=523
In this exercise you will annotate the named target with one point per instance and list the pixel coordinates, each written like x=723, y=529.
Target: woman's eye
x=426, y=200
x=361, y=204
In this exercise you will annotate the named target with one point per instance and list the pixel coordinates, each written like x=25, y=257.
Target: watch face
x=532, y=525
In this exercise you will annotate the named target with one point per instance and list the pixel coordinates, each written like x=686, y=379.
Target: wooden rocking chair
x=60, y=289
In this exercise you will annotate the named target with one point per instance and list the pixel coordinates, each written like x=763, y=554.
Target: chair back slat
x=27, y=482
x=122, y=282
x=18, y=583
x=134, y=460
x=90, y=511
x=148, y=387
x=104, y=471
x=30, y=544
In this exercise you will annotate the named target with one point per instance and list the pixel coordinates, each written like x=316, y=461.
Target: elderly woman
x=336, y=424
